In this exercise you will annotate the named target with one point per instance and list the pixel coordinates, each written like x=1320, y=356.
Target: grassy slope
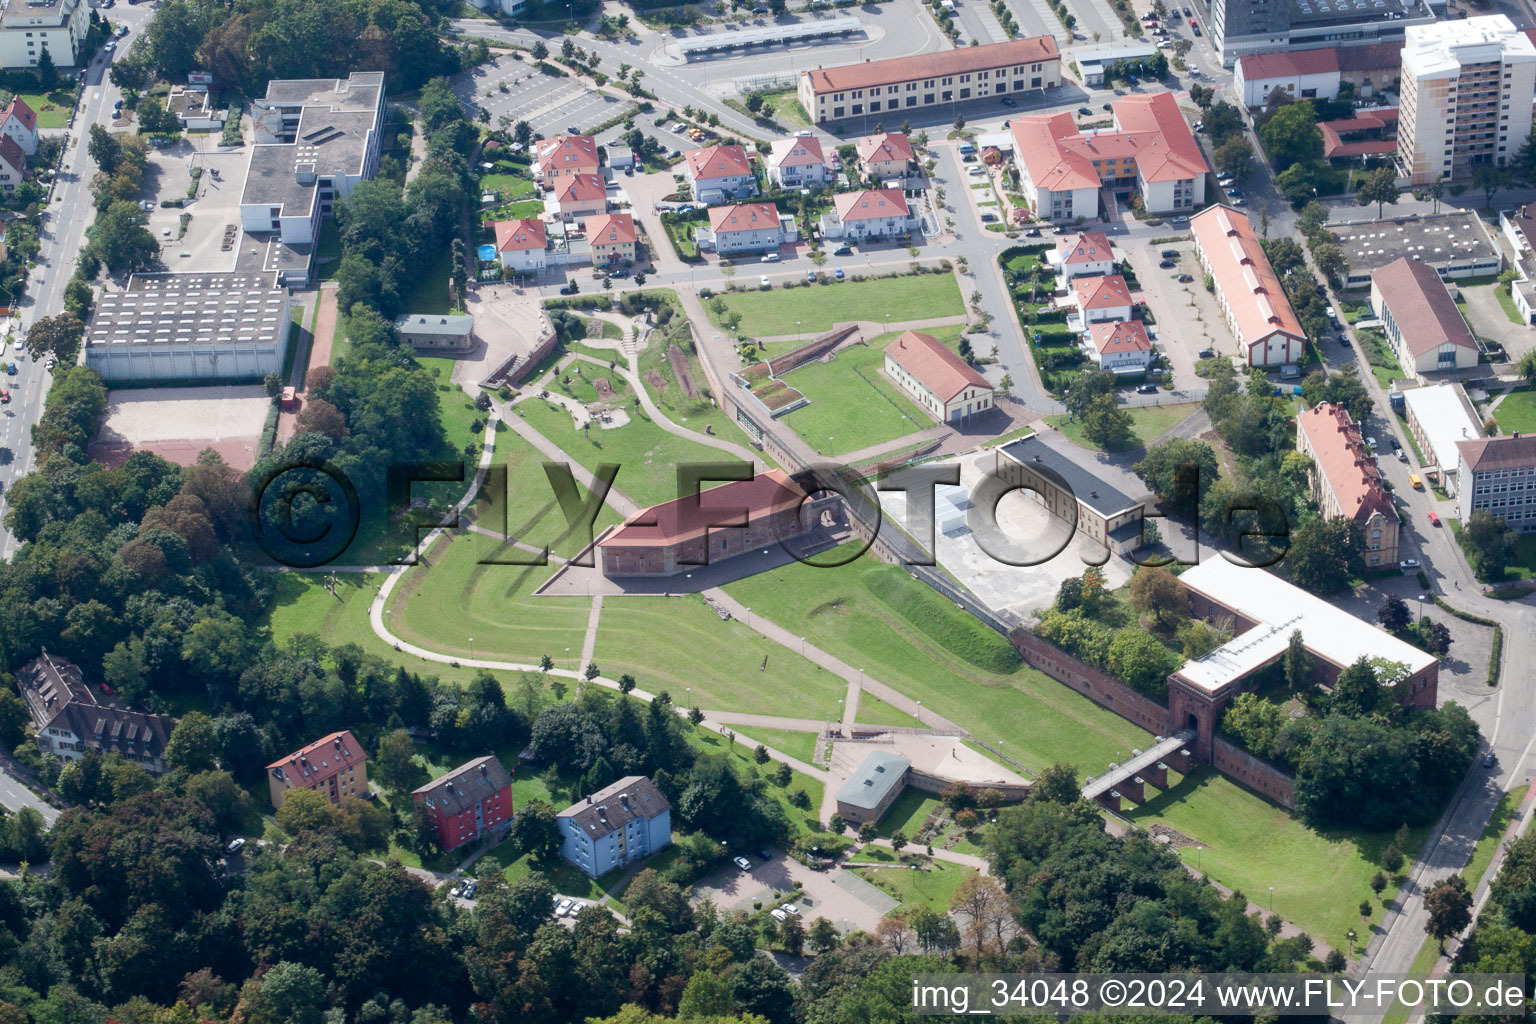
x=532, y=515
x=933, y=888
x=853, y=405
x=817, y=308
x=1148, y=422
x=799, y=745
x=874, y=711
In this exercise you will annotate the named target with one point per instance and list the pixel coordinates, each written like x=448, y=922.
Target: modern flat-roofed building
x=1317, y=74
x=873, y=787
x=943, y=78
x=945, y=386
x=1439, y=417
x=1072, y=493
x=315, y=139
x=190, y=328
x=1346, y=481
x=1264, y=611
x=335, y=766
x=68, y=718
x=1247, y=288
x=1466, y=94
x=1499, y=474
x=1454, y=243
x=710, y=527
x=468, y=802
x=1150, y=151
x=617, y=825
x=437, y=332
x=1242, y=27
x=1421, y=319
x=28, y=28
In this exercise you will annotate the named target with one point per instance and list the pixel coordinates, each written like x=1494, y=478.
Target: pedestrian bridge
x=1129, y=780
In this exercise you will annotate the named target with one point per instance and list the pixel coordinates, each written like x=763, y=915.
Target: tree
x=1325, y=554
x=192, y=744
x=1056, y=784
x=122, y=242
x=394, y=766
x=1313, y=216
x=1235, y=156
x=47, y=71
x=539, y=51
x=1141, y=660
x=321, y=417
x=57, y=335
x=1378, y=883
x=1392, y=859
x=898, y=840
x=1489, y=543
x=1526, y=368
x=755, y=102
x=1450, y=908
x=1297, y=182
x=1154, y=589
x=1291, y=136
x=980, y=898
x=304, y=810
x=104, y=149
x=1379, y=187
x=760, y=754
x=1298, y=663
x=696, y=716
x=792, y=930
x=1178, y=471
x=1490, y=179
x=823, y=936
x=867, y=831
x=535, y=830
x=1106, y=424
x=1393, y=614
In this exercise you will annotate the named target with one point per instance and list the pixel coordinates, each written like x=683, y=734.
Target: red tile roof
x=685, y=518
x=801, y=151
x=1170, y=152
x=937, y=368
x=1151, y=131
x=1120, y=336
x=610, y=229
x=520, y=235
x=743, y=217
x=1037, y=141
x=1033, y=50
x=1101, y=292
x=1288, y=65
x=580, y=188
x=1334, y=146
x=884, y=147
x=1341, y=460
x=880, y=202
x=717, y=162
x=567, y=151
x=23, y=113
x=1088, y=247
x=12, y=154
x=1513, y=451
x=1425, y=312
x=1244, y=275
x=326, y=757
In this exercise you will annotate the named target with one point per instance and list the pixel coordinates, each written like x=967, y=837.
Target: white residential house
x=746, y=227
x=1100, y=299
x=19, y=121
x=717, y=174
x=1121, y=346
x=522, y=244
x=798, y=163
x=13, y=164
x=578, y=196
x=1085, y=255
x=878, y=213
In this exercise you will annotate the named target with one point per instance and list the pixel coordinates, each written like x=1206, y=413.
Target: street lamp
x=471, y=648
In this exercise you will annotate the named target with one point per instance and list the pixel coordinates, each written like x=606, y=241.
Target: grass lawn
x=1521, y=567
x=799, y=745
x=650, y=456
x=932, y=888
x=1148, y=422
x=1422, y=964
x=874, y=711
x=1253, y=844
x=1493, y=834
x=528, y=509
x=462, y=607
x=1508, y=305
x=783, y=106
x=52, y=110
x=804, y=822
x=818, y=307
x=908, y=813
x=700, y=413
x=1516, y=412
x=878, y=618
x=853, y=405
x=680, y=645
x=430, y=291
x=564, y=877
x=508, y=186
x=1379, y=353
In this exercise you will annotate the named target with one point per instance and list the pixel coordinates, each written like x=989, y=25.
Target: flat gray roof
x=1437, y=240
x=873, y=781
x=1089, y=490
x=191, y=309
x=359, y=91
x=329, y=142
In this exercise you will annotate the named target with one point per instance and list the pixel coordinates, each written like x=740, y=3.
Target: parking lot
x=841, y=897
x=550, y=105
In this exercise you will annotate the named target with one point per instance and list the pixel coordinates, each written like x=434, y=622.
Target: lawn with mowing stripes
x=932, y=887
x=680, y=645
x=1517, y=411
x=874, y=711
x=799, y=745
x=1319, y=878
x=853, y=404
x=648, y=454
x=818, y=307
x=527, y=509
x=939, y=658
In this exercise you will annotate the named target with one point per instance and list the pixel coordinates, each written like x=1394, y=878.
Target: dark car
x=1207, y=353
x=1343, y=342
x=1032, y=233
x=1166, y=265
x=1147, y=389
x=1085, y=111
x=1008, y=102
x=13, y=369
x=1195, y=29
x=1108, y=107
x=763, y=853
x=1170, y=254
x=843, y=250
x=572, y=130
x=1186, y=278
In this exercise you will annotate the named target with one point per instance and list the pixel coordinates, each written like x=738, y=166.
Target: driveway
x=840, y=896
x=1489, y=320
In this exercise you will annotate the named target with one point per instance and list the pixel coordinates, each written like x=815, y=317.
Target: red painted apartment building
x=468, y=802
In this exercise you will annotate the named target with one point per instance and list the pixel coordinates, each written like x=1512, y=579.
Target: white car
x=1408, y=563
x=778, y=915
x=235, y=846
x=765, y=282
x=791, y=909
x=20, y=344
x=742, y=863
x=564, y=908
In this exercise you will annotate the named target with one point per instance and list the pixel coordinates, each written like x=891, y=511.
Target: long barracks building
x=930, y=79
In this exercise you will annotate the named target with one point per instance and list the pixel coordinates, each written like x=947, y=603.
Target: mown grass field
x=818, y=307
x=527, y=508
x=799, y=745
x=1148, y=423
x=932, y=887
x=874, y=711
x=852, y=403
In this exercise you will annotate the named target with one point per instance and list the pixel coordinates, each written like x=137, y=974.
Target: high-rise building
x=1240, y=28
x=1466, y=95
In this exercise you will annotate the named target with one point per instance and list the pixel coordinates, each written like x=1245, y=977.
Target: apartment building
x=468, y=802
x=28, y=28
x=946, y=77
x=1242, y=27
x=334, y=766
x=564, y=156
x=1346, y=481
x=1317, y=74
x=68, y=718
x=612, y=237
x=1466, y=94
x=1247, y=288
x=1499, y=474
x=877, y=213
x=615, y=826
x=1150, y=151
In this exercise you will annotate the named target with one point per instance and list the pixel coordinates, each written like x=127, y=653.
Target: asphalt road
x=14, y=796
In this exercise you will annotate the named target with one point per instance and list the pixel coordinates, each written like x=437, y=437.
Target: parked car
x=564, y=909
x=1207, y=353
x=810, y=275
x=235, y=846
x=1196, y=30
x=771, y=257
x=987, y=218
x=791, y=909
x=678, y=128
x=1032, y=233
x=778, y=915
x=837, y=272
x=843, y=250
x=1408, y=563
x=1434, y=520
x=1186, y=278
x=12, y=369
x=1085, y=111
x=1166, y=265
x=5, y=398
x=1333, y=314
x=1402, y=456
x=1489, y=760
x=1008, y=101
x=1147, y=389
x=804, y=133
x=471, y=888
x=764, y=282
x=1370, y=443
x=1108, y=107
x=1170, y=254
x=742, y=863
